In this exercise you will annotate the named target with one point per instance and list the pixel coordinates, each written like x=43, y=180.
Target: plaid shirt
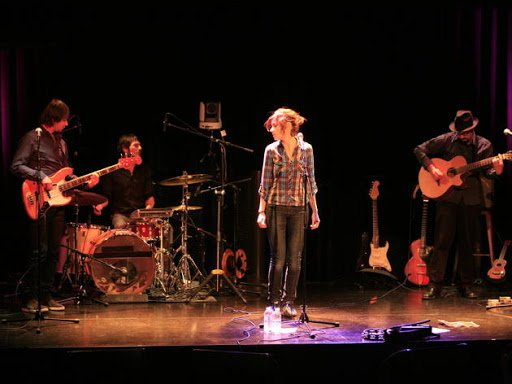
x=282, y=180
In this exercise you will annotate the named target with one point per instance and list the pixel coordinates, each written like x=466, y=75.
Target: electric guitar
x=416, y=267
x=378, y=255
x=453, y=171
x=56, y=196
x=497, y=271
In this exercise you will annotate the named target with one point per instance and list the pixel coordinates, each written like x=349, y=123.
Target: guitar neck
x=475, y=165
x=85, y=178
x=503, y=252
x=375, y=236
x=424, y=220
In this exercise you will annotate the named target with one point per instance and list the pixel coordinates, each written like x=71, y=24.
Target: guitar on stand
x=378, y=255
x=416, y=267
x=497, y=270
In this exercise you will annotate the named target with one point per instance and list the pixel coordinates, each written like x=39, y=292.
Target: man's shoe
x=32, y=306
x=54, y=305
x=433, y=293
x=468, y=293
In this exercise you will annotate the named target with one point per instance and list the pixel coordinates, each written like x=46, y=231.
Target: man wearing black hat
x=458, y=209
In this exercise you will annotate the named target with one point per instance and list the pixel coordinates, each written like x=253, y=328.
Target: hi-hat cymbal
x=82, y=198
x=185, y=180
x=188, y=208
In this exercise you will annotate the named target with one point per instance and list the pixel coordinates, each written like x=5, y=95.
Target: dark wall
x=373, y=83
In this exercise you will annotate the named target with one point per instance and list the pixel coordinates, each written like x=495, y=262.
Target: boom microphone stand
x=82, y=294
x=304, y=318
x=217, y=272
x=219, y=193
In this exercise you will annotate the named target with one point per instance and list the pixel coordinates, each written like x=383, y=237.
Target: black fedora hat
x=464, y=121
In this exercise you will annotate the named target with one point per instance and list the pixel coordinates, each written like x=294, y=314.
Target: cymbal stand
x=184, y=278
x=162, y=275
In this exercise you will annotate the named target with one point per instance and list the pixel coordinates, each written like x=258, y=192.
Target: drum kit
x=138, y=258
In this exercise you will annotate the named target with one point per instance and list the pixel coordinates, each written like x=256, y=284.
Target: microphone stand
x=82, y=279
x=304, y=318
x=219, y=193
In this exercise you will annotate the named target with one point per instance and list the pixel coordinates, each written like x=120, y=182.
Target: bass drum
x=122, y=263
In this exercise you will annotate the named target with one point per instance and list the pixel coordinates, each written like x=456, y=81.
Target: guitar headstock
x=127, y=162
x=374, y=190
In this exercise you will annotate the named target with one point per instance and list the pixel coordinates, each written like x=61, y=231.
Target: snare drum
x=122, y=262
x=146, y=229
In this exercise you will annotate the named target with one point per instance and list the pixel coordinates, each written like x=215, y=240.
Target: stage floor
x=357, y=324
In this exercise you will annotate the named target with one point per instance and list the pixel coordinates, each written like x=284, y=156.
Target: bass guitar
x=497, y=271
x=453, y=171
x=56, y=196
x=416, y=267
x=378, y=255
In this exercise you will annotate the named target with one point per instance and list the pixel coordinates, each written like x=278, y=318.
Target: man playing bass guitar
x=41, y=153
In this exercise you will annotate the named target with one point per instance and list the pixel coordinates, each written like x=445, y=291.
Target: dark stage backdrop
x=373, y=83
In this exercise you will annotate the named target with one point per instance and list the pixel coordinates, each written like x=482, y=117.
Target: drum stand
x=65, y=268
x=82, y=294
x=183, y=278
x=162, y=276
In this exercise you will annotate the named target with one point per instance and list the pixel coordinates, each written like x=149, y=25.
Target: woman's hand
x=262, y=220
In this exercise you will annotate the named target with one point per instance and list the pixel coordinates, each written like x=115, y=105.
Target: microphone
x=300, y=139
x=38, y=131
x=507, y=132
x=166, y=121
x=78, y=125
x=198, y=190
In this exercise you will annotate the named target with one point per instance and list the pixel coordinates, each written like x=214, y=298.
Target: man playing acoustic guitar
x=458, y=208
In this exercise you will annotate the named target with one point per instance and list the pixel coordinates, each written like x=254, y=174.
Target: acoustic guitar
x=378, y=255
x=416, y=267
x=497, y=270
x=453, y=171
x=56, y=196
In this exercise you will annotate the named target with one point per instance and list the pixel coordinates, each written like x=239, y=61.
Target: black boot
x=467, y=292
x=433, y=293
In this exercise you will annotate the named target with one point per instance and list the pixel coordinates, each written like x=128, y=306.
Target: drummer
x=129, y=188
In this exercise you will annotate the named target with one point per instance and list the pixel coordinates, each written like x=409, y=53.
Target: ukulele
x=378, y=255
x=497, y=270
x=416, y=267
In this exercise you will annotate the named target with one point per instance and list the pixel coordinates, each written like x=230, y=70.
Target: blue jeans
x=285, y=232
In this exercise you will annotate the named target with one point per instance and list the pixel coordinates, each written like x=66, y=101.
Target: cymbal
x=82, y=198
x=189, y=208
x=185, y=180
